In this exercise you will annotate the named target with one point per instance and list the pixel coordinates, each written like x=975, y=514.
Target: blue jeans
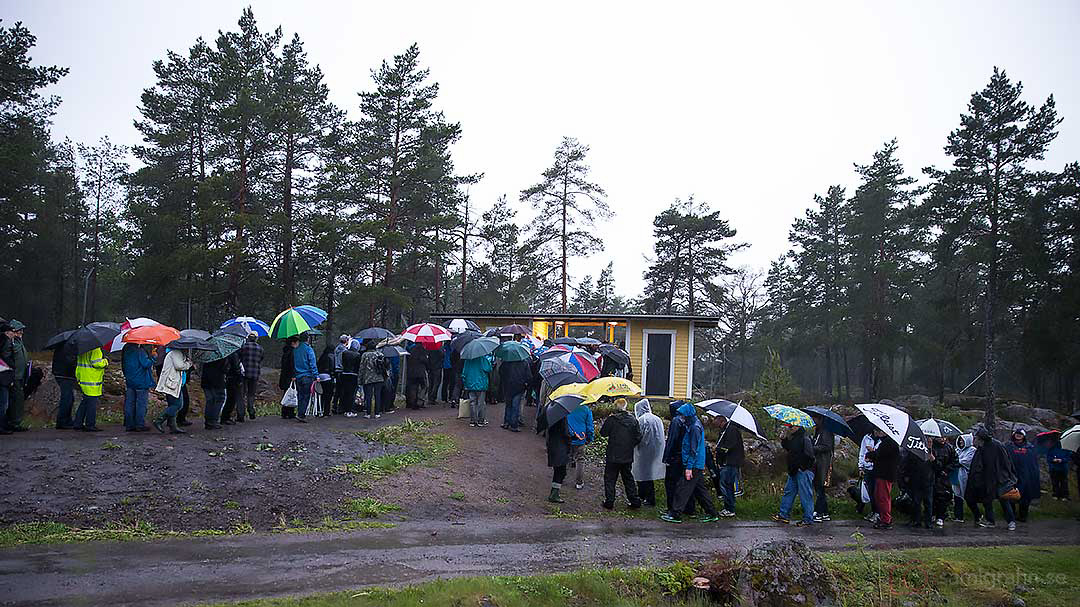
x=803, y=484
x=135, y=408
x=512, y=412
x=86, y=415
x=173, y=405
x=67, y=401
x=215, y=400
x=372, y=399
x=728, y=475
x=303, y=394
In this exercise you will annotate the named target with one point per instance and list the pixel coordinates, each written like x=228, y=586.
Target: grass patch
x=425, y=448
x=369, y=507
x=231, y=505
x=135, y=530
x=109, y=445
x=329, y=524
x=926, y=576
x=458, y=495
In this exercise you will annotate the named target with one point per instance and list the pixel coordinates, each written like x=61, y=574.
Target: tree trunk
x=565, y=202
x=990, y=302
x=288, y=281
x=232, y=297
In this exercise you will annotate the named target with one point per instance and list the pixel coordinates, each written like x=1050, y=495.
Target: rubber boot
x=173, y=428
x=554, y=497
x=159, y=420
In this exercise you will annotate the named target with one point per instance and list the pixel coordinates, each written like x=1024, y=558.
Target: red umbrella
x=429, y=335
x=157, y=335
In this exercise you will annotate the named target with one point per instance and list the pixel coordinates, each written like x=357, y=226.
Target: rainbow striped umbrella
x=296, y=320
x=790, y=416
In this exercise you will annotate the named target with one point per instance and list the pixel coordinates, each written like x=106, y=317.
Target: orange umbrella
x=157, y=335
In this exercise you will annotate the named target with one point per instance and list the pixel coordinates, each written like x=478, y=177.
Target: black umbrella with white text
x=898, y=426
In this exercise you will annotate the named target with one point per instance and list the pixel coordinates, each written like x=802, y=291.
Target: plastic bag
x=290, y=399
x=463, y=408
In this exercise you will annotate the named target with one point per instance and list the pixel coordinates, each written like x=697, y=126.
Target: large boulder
x=1046, y=417
x=918, y=405
x=1015, y=412
x=784, y=573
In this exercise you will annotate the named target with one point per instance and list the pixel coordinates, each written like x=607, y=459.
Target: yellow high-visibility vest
x=90, y=371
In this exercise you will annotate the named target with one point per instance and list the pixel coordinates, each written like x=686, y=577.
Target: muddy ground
x=261, y=473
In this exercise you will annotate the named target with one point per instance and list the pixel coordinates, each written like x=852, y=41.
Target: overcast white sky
x=751, y=106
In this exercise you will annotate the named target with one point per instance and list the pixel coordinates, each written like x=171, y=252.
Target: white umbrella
x=939, y=428
x=738, y=414
x=131, y=323
x=898, y=426
x=1070, y=439
x=459, y=325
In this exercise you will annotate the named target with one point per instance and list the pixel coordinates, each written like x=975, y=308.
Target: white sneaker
x=350, y=414
x=378, y=415
x=727, y=513
x=1012, y=526
x=939, y=523
x=367, y=416
x=579, y=486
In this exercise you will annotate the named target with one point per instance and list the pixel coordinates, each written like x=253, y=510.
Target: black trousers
x=181, y=417
x=942, y=499
x=671, y=484
x=434, y=379
x=693, y=490
x=446, y=391
x=558, y=475
x=612, y=472
x=646, y=490
x=346, y=393
x=414, y=391
x=233, y=399
x=1059, y=484
x=328, y=397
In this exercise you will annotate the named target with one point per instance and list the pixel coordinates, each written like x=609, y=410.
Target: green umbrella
x=296, y=320
x=224, y=345
x=512, y=351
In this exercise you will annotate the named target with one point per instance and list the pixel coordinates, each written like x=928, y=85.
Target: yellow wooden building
x=661, y=348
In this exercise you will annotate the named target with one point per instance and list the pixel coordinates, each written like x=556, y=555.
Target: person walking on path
x=136, y=364
x=943, y=462
x=581, y=427
x=648, y=464
x=965, y=451
x=251, y=357
x=434, y=363
x=514, y=380
x=1025, y=461
x=992, y=476
x=730, y=455
x=691, y=485
x=234, y=385
x=673, y=463
x=557, y=442
x=886, y=459
x=13, y=352
x=170, y=383
x=306, y=371
x=65, y=358
x=90, y=373
x=1057, y=463
x=372, y=375
x=624, y=435
x=824, y=442
x=800, y=481
x=350, y=379
x=474, y=376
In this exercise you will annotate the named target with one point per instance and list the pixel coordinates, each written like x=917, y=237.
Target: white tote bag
x=290, y=400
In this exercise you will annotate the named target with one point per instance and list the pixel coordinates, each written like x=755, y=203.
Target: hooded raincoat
x=649, y=453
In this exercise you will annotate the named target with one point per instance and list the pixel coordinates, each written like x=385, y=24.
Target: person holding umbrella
x=474, y=377
x=824, y=443
x=372, y=375
x=1057, y=463
x=90, y=373
x=63, y=369
x=171, y=380
x=581, y=427
x=992, y=477
x=730, y=456
x=415, y=377
x=137, y=362
x=800, y=468
x=306, y=370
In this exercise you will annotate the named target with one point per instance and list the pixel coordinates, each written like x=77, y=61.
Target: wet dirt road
x=187, y=571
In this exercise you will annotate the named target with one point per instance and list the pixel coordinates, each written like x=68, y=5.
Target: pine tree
x=103, y=168
x=992, y=150
x=567, y=206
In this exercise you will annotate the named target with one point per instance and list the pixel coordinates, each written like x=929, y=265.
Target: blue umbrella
x=833, y=421
x=250, y=323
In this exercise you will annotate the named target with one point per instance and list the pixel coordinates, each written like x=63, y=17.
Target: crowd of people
x=966, y=473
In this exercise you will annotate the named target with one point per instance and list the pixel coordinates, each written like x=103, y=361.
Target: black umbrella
x=491, y=333
x=616, y=354
x=589, y=341
x=237, y=329
x=58, y=340
x=392, y=351
x=560, y=407
x=93, y=335
x=457, y=343
x=833, y=421
x=196, y=333
x=190, y=343
x=558, y=373
x=515, y=330
x=860, y=427
x=374, y=333
x=569, y=341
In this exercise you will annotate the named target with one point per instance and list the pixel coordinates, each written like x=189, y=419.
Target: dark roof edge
x=708, y=320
